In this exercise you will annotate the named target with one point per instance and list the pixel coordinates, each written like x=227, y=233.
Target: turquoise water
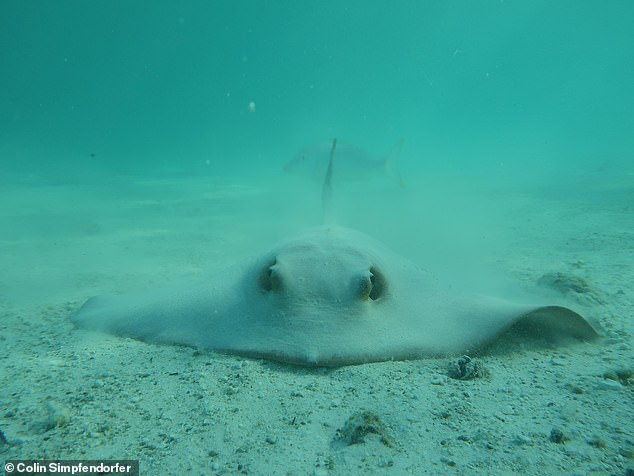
x=497, y=87
x=145, y=144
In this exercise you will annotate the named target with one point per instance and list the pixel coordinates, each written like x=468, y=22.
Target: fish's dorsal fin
x=326, y=191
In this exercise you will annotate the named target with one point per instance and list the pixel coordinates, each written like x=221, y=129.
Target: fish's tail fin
x=391, y=164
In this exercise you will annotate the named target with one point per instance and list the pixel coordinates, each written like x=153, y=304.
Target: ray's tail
x=390, y=163
x=326, y=191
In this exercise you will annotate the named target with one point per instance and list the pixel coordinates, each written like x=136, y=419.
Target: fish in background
x=352, y=163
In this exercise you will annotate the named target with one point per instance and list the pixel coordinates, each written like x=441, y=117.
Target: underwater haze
x=146, y=144
x=493, y=88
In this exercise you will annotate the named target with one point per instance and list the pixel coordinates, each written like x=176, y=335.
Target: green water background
x=522, y=91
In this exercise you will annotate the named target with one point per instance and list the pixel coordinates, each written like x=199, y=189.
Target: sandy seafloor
x=70, y=393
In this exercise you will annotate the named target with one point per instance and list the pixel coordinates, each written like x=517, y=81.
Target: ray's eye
x=373, y=286
x=270, y=279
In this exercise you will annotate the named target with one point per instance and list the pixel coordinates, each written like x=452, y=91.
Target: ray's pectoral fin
x=543, y=327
